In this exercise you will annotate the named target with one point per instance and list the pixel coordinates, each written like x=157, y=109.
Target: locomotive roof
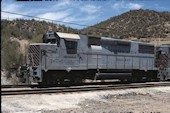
x=68, y=35
x=165, y=45
x=125, y=40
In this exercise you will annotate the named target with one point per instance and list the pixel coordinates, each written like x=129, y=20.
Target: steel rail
x=80, y=88
x=16, y=86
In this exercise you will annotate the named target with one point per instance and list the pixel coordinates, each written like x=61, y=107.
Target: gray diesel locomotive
x=71, y=57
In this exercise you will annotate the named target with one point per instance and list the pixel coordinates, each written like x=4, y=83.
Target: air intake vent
x=162, y=61
x=34, y=55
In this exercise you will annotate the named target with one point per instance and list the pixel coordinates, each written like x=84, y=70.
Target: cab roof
x=68, y=35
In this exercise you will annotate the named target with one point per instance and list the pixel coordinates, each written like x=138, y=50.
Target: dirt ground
x=143, y=100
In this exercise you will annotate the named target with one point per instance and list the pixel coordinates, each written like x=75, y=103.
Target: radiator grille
x=34, y=55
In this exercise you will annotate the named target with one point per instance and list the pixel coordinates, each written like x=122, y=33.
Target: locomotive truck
x=70, y=57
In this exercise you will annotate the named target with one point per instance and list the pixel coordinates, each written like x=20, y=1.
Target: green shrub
x=11, y=57
x=37, y=38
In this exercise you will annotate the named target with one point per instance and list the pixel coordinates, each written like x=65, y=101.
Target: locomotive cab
x=69, y=43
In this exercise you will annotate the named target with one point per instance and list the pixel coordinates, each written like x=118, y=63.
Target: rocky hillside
x=30, y=29
x=135, y=23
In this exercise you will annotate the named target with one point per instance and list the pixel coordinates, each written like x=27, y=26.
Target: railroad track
x=79, y=88
x=64, y=85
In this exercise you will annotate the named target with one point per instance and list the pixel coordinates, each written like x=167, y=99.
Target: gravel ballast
x=143, y=100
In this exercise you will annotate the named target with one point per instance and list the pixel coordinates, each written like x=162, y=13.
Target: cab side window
x=71, y=46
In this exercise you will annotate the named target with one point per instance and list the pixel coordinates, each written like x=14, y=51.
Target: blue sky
x=86, y=12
